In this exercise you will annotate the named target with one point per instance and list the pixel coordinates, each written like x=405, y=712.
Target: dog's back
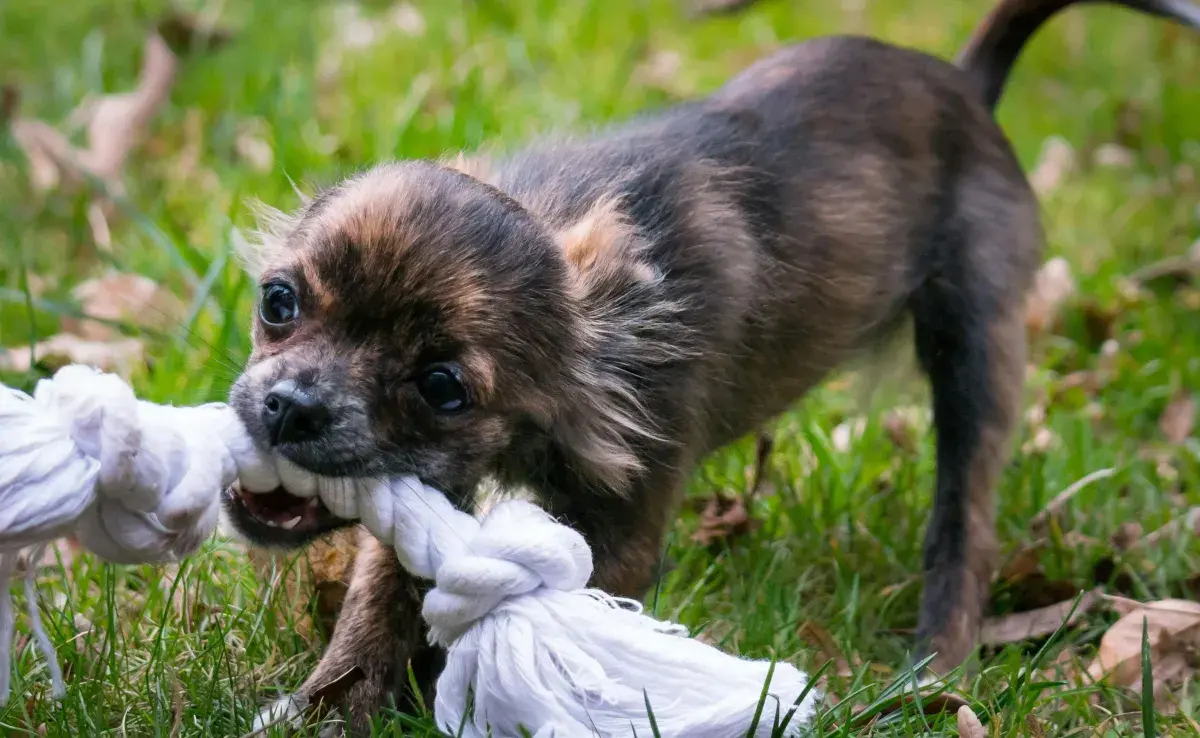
x=742, y=246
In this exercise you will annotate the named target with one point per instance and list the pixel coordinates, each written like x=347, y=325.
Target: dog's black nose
x=292, y=415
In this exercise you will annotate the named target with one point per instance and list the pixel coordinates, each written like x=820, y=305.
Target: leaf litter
x=114, y=298
x=115, y=124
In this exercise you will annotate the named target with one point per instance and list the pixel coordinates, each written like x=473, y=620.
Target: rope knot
x=517, y=549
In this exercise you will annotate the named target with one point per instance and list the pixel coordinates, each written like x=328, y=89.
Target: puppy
x=587, y=319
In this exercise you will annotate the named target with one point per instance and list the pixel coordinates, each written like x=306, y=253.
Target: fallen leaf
x=1052, y=287
x=1187, y=524
x=723, y=519
x=825, y=648
x=252, y=145
x=969, y=725
x=120, y=357
x=313, y=581
x=122, y=297
x=935, y=704
x=177, y=697
x=1179, y=417
x=1127, y=535
x=1021, y=626
x=1113, y=156
x=48, y=152
x=1173, y=629
x=1023, y=562
x=1056, y=159
x=115, y=125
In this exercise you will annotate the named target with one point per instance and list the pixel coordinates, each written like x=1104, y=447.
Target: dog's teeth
x=312, y=504
x=270, y=523
x=291, y=523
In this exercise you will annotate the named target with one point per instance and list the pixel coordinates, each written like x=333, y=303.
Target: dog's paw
x=285, y=712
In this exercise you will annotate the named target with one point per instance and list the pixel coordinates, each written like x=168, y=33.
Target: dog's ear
x=268, y=242
x=605, y=267
x=601, y=248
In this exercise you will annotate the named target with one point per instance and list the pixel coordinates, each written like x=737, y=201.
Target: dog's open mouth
x=279, y=517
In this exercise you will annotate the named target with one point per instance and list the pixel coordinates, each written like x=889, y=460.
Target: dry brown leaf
x=1187, y=524
x=825, y=648
x=1173, y=628
x=969, y=725
x=1057, y=158
x=253, y=147
x=122, y=297
x=1020, y=626
x=120, y=357
x=1023, y=562
x=117, y=122
x=321, y=573
x=937, y=704
x=115, y=125
x=1179, y=417
x=723, y=519
x=1052, y=287
x=1127, y=535
x=48, y=151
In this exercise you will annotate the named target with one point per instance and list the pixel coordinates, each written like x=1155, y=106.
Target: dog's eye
x=443, y=390
x=278, y=305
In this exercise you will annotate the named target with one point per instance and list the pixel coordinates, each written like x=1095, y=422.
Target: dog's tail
x=994, y=46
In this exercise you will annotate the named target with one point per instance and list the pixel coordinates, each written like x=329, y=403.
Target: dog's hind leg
x=970, y=339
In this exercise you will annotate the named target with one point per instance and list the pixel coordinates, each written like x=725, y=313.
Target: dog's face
x=407, y=321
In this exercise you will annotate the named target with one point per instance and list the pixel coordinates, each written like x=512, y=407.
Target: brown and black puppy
x=587, y=319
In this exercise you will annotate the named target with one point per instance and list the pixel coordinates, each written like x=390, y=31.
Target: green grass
x=198, y=650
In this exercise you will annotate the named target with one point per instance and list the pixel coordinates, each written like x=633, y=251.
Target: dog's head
x=410, y=320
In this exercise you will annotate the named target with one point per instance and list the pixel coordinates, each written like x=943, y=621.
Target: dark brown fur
x=623, y=305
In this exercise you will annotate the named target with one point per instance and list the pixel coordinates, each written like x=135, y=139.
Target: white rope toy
x=528, y=647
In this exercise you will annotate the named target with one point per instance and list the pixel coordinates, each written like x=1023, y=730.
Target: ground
x=1103, y=108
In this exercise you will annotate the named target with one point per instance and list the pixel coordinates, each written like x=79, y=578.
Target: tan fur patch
x=482, y=371
x=316, y=287
x=364, y=208
x=600, y=245
x=476, y=167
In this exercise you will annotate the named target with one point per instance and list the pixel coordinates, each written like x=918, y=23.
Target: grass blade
x=1149, y=728
x=762, y=699
x=650, y=714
